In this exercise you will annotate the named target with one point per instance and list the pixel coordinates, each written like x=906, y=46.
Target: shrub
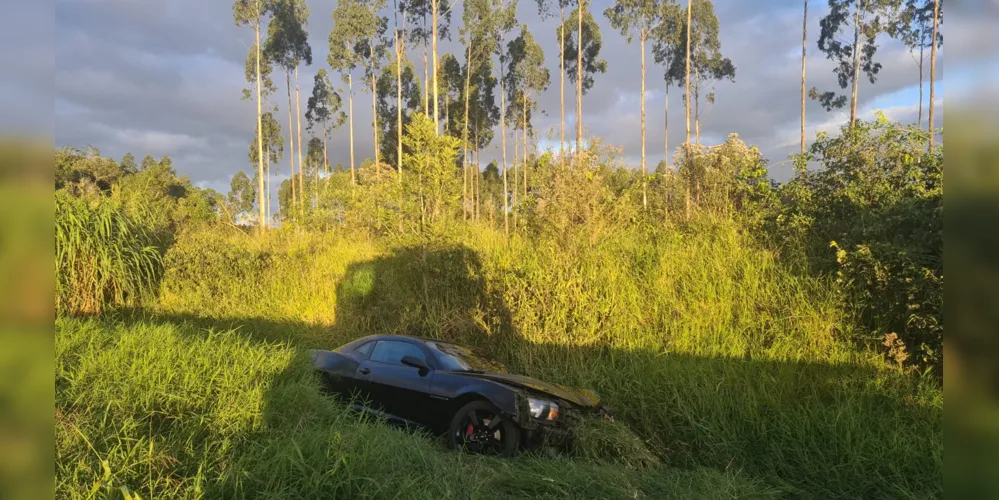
x=873, y=217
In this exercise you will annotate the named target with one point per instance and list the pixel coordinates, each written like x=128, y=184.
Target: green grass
x=166, y=410
x=103, y=258
x=734, y=372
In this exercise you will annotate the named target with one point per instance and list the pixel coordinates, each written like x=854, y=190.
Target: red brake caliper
x=469, y=430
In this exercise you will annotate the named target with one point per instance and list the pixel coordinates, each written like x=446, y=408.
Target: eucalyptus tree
x=868, y=19
x=353, y=23
x=253, y=13
x=708, y=64
x=324, y=109
x=582, y=54
x=482, y=118
x=418, y=11
x=287, y=45
x=389, y=107
x=637, y=19
x=371, y=48
x=451, y=80
x=545, y=10
x=701, y=50
x=476, y=34
x=399, y=44
x=916, y=31
x=504, y=14
x=804, y=51
x=267, y=147
x=667, y=36
x=527, y=77
x=688, y=160
x=241, y=194
x=933, y=66
x=315, y=161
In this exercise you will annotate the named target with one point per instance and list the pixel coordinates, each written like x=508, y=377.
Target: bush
x=873, y=217
x=103, y=258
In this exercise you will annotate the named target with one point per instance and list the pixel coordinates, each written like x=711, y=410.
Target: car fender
x=335, y=370
x=511, y=401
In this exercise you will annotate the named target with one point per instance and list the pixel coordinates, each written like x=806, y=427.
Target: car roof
x=386, y=336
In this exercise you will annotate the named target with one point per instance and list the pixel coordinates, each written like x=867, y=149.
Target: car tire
x=475, y=428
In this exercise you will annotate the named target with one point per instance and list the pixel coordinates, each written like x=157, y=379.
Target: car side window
x=365, y=349
x=390, y=351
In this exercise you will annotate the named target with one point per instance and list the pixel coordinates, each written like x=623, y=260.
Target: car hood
x=580, y=397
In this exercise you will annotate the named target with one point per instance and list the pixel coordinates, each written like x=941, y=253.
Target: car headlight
x=543, y=409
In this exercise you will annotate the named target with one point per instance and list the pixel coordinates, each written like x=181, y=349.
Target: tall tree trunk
x=645, y=197
x=516, y=169
x=804, y=42
x=478, y=185
x=561, y=84
x=426, y=73
x=291, y=139
x=933, y=69
x=270, y=207
x=506, y=206
x=921, y=59
x=435, y=4
x=858, y=47
x=374, y=118
x=697, y=96
x=464, y=131
x=525, y=146
x=326, y=163
x=666, y=127
x=400, y=51
x=261, y=210
x=667, y=174
x=301, y=173
x=350, y=113
x=688, y=160
x=579, y=79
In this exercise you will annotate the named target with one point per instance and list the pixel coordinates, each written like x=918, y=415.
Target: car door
x=357, y=385
x=398, y=389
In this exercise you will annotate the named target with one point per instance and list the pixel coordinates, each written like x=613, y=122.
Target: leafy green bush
x=103, y=258
x=873, y=216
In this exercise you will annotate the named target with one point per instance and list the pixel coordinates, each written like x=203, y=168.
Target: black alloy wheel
x=479, y=427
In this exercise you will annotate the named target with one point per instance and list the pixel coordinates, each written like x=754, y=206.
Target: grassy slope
x=718, y=357
x=216, y=414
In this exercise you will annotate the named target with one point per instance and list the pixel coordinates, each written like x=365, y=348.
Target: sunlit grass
x=102, y=257
x=733, y=374
x=167, y=410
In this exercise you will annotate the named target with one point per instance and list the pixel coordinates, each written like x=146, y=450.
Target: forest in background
x=756, y=338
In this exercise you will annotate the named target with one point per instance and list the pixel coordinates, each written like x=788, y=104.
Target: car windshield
x=462, y=358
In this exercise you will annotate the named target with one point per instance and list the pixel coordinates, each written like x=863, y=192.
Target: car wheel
x=479, y=427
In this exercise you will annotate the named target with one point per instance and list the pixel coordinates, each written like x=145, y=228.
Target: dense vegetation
x=744, y=352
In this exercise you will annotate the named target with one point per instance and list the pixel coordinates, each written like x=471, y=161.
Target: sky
x=166, y=78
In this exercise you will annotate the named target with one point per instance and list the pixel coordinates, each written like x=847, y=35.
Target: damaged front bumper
x=558, y=434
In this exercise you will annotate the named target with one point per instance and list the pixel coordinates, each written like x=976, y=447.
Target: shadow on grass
x=811, y=429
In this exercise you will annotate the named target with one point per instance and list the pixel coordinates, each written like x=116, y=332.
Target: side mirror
x=416, y=363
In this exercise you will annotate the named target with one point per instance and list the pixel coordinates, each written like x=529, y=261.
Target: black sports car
x=453, y=390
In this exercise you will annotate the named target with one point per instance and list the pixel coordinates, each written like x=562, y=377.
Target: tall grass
x=171, y=410
x=102, y=257
x=715, y=353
